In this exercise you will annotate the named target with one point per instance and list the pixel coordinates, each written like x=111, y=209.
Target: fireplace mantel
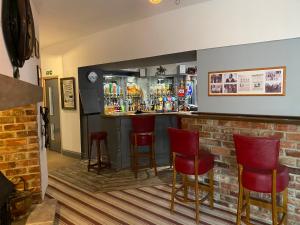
x=15, y=93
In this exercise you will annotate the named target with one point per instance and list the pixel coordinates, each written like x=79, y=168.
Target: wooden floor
x=148, y=204
x=145, y=205
x=57, y=160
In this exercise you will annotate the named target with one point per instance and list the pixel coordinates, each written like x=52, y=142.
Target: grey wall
x=267, y=54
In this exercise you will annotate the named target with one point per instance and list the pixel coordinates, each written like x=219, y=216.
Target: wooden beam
x=15, y=93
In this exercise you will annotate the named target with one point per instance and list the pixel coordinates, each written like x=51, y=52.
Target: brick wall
x=19, y=146
x=216, y=137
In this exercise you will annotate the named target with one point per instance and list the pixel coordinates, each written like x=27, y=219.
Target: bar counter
x=219, y=116
x=118, y=127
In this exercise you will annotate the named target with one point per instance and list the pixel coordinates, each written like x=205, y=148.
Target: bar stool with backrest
x=260, y=171
x=98, y=137
x=142, y=135
x=188, y=159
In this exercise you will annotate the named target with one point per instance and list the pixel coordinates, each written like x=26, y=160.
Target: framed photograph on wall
x=37, y=48
x=68, y=95
x=39, y=75
x=259, y=81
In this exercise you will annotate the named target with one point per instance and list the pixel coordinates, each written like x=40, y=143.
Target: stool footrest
x=181, y=198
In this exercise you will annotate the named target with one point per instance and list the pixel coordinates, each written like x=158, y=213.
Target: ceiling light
x=155, y=1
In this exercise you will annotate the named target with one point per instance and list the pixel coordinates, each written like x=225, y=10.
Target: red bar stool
x=189, y=160
x=98, y=137
x=142, y=134
x=260, y=171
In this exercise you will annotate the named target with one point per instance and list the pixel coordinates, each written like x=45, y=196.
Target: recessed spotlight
x=155, y=1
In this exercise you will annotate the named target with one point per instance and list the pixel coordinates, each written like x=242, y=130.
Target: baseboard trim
x=75, y=155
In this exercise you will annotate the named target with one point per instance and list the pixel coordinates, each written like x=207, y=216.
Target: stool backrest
x=184, y=142
x=142, y=124
x=257, y=152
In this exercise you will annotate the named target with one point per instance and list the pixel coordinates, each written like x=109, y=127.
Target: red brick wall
x=216, y=137
x=19, y=145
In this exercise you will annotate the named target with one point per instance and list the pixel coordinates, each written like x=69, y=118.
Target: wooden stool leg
x=131, y=157
x=135, y=161
x=211, y=187
x=185, y=187
x=89, y=153
x=247, y=198
x=107, y=153
x=240, y=199
x=284, y=205
x=196, y=191
x=170, y=159
x=173, y=185
x=153, y=159
x=99, y=155
x=274, y=203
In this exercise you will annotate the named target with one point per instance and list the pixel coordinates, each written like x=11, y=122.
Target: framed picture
x=259, y=81
x=68, y=95
x=39, y=75
x=37, y=49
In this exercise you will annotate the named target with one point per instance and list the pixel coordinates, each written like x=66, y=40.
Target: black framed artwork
x=68, y=94
x=37, y=49
x=39, y=75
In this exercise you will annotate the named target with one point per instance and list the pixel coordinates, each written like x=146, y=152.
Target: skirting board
x=76, y=155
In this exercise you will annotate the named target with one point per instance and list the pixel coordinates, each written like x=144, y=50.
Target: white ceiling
x=63, y=20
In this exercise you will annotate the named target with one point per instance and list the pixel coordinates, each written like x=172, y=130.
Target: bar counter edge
x=219, y=116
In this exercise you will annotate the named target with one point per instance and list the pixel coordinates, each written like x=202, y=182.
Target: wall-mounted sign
x=49, y=72
x=68, y=99
x=259, y=81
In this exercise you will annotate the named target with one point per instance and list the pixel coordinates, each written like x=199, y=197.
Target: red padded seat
x=260, y=171
x=98, y=137
x=142, y=134
x=186, y=164
x=188, y=159
x=261, y=180
x=142, y=139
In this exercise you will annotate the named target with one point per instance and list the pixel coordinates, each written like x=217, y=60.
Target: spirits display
x=162, y=95
x=114, y=96
x=159, y=93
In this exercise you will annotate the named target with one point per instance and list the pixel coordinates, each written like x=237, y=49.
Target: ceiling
x=63, y=20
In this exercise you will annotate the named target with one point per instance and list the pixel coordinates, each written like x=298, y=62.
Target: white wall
x=28, y=73
x=52, y=62
x=213, y=23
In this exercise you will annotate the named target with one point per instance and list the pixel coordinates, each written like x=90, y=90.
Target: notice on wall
x=259, y=81
x=68, y=93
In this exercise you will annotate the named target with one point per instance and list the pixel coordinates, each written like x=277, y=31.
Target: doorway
x=52, y=103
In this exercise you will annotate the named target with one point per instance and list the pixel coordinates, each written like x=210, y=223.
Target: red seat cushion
x=142, y=139
x=261, y=180
x=98, y=135
x=186, y=164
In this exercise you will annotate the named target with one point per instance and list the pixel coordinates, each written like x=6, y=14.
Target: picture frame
x=269, y=81
x=68, y=94
x=39, y=76
x=37, y=49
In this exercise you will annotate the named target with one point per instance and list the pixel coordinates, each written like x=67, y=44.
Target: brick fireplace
x=19, y=134
x=19, y=146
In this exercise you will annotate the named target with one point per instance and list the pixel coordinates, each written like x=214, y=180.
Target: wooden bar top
x=131, y=114
x=219, y=116
x=247, y=117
